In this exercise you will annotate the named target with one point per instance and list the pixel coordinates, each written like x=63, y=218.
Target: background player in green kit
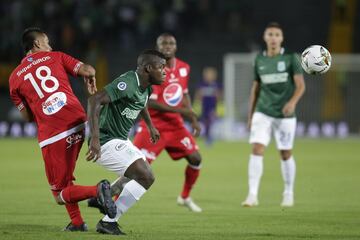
x=278, y=86
x=112, y=112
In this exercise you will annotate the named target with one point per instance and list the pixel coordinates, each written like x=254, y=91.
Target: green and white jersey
x=275, y=76
x=128, y=99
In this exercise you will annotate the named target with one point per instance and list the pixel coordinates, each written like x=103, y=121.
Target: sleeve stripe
x=20, y=106
x=77, y=67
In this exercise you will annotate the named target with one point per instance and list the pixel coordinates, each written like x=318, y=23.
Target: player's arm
x=76, y=68
x=290, y=106
x=254, y=95
x=93, y=111
x=154, y=133
x=194, y=121
x=20, y=102
x=88, y=72
x=165, y=108
x=27, y=114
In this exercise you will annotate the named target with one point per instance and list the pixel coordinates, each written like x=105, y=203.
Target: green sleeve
x=117, y=89
x=296, y=65
x=256, y=74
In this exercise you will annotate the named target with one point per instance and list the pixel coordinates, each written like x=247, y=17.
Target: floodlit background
x=109, y=34
x=226, y=35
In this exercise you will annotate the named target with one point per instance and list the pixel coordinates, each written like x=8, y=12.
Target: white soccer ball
x=316, y=60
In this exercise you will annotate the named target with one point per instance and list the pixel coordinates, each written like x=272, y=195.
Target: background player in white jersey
x=112, y=112
x=278, y=86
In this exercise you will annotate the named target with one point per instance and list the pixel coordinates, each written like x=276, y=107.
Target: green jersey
x=275, y=76
x=128, y=99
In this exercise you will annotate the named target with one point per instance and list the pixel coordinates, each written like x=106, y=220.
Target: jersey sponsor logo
x=131, y=114
x=122, y=86
x=33, y=63
x=73, y=139
x=183, y=72
x=173, y=94
x=54, y=103
x=281, y=66
x=274, y=78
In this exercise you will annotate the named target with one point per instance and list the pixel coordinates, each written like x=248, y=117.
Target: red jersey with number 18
x=40, y=83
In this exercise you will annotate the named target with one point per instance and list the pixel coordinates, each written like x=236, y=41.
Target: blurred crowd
x=78, y=25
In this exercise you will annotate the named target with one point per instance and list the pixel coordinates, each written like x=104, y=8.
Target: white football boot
x=288, y=200
x=250, y=201
x=189, y=203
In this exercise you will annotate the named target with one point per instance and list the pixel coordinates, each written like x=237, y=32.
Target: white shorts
x=283, y=129
x=117, y=155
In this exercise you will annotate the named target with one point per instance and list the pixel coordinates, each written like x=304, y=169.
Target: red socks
x=191, y=174
x=74, y=213
x=76, y=193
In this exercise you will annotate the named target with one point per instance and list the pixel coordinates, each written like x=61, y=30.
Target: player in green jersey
x=278, y=86
x=112, y=112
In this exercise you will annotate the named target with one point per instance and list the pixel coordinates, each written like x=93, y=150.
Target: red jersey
x=41, y=84
x=171, y=93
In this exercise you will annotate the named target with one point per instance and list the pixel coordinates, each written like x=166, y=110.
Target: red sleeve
x=15, y=96
x=186, y=89
x=71, y=65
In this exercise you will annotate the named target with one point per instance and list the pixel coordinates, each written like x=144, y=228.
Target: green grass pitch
x=327, y=196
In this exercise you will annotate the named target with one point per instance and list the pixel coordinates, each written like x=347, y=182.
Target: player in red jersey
x=167, y=104
x=41, y=90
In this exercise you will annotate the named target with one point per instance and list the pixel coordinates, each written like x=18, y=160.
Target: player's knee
x=285, y=154
x=146, y=180
x=58, y=200
x=258, y=149
x=194, y=159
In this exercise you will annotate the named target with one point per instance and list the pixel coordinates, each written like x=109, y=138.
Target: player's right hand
x=91, y=84
x=93, y=152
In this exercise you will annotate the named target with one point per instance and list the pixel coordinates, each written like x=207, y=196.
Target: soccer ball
x=316, y=60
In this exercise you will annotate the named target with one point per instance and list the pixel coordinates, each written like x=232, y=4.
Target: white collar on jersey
x=137, y=78
x=282, y=50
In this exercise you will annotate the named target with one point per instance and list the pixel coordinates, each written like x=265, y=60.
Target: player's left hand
x=288, y=109
x=196, y=128
x=155, y=135
x=91, y=84
x=93, y=152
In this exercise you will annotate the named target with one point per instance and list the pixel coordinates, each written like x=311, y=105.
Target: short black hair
x=273, y=25
x=28, y=37
x=148, y=57
x=166, y=34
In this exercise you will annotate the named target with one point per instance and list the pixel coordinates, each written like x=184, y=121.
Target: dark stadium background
x=109, y=34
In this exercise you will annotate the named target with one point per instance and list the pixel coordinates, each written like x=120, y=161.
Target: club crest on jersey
x=173, y=94
x=183, y=72
x=121, y=86
x=281, y=66
x=54, y=103
x=30, y=59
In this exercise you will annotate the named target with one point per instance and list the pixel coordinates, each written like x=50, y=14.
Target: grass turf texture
x=327, y=196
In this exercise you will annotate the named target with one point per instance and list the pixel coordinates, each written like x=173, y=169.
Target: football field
x=327, y=197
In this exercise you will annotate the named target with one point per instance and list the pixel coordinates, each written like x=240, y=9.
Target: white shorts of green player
x=117, y=155
x=283, y=129
x=262, y=129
